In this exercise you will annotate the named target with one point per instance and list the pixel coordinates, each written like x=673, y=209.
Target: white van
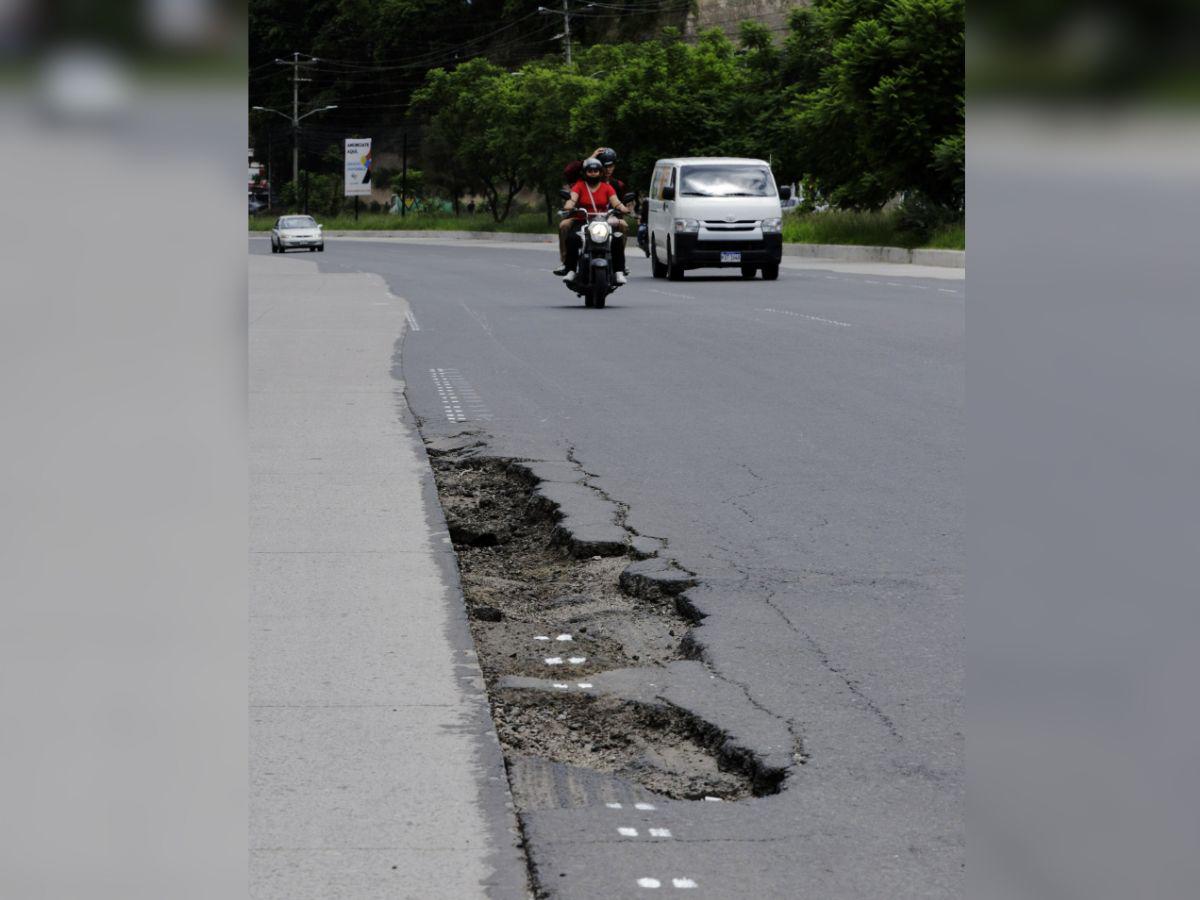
x=716, y=211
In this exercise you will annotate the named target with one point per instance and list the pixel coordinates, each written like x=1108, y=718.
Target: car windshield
x=297, y=222
x=726, y=181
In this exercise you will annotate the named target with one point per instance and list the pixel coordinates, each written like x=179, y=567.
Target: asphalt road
x=801, y=446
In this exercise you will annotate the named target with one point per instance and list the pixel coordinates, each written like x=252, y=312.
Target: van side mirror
x=668, y=193
x=564, y=193
x=785, y=192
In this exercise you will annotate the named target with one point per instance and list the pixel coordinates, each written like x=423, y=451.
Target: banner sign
x=358, y=167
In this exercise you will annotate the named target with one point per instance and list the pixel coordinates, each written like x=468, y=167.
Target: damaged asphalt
x=806, y=479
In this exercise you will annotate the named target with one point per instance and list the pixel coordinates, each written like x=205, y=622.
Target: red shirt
x=600, y=195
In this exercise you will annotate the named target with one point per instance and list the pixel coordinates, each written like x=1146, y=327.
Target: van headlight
x=599, y=232
x=687, y=226
x=772, y=226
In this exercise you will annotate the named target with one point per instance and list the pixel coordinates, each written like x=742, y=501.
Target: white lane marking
x=893, y=284
x=660, y=832
x=713, y=799
x=585, y=685
x=946, y=291
x=577, y=660
x=561, y=687
x=627, y=832
x=649, y=883
x=563, y=637
x=553, y=660
x=451, y=387
x=869, y=281
x=412, y=321
x=669, y=294
x=649, y=806
x=613, y=805
x=683, y=883
x=788, y=312
x=541, y=637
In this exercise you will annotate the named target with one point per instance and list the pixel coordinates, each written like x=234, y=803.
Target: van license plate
x=731, y=256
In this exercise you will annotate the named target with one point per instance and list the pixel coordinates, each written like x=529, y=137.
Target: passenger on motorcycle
x=592, y=194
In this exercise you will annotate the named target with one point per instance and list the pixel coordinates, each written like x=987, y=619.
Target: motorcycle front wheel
x=598, y=291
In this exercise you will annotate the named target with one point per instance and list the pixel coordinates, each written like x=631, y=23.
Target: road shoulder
x=375, y=769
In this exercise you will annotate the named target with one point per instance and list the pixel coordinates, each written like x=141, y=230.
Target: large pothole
x=538, y=611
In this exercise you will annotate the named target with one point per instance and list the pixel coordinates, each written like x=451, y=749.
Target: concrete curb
x=954, y=259
x=513, y=237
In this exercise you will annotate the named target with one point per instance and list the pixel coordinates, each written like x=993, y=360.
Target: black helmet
x=607, y=156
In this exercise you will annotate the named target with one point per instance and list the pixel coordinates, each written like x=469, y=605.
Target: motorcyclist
x=593, y=194
x=572, y=172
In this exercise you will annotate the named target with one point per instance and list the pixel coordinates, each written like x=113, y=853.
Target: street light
x=295, y=119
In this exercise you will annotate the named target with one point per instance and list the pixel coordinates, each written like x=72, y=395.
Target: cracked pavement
x=810, y=476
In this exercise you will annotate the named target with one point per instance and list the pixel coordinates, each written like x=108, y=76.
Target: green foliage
x=862, y=101
x=888, y=228
x=885, y=114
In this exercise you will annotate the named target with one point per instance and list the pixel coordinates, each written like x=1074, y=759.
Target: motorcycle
x=643, y=229
x=594, y=273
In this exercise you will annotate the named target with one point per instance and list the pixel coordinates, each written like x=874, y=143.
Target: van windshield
x=726, y=181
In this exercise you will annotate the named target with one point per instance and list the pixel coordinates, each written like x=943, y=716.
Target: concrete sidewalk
x=374, y=766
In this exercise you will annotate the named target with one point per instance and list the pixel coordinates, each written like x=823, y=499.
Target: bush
x=919, y=217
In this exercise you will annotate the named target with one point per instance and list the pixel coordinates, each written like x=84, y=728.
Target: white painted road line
x=649, y=883
x=669, y=294
x=788, y=312
x=660, y=832
x=412, y=321
x=627, y=832
x=649, y=806
x=683, y=883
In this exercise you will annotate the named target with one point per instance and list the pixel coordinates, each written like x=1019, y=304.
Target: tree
x=469, y=121
x=886, y=113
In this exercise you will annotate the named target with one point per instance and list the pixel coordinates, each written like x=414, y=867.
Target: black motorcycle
x=595, y=277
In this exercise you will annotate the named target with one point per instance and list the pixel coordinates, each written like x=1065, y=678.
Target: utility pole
x=404, y=176
x=296, y=62
x=565, y=12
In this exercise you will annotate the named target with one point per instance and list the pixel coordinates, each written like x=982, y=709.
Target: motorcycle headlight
x=687, y=226
x=772, y=226
x=599, y=232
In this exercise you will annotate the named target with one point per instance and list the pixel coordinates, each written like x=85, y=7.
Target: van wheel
x=657, y=269
x=770, y=271
x=674, y=269
x=749, y=271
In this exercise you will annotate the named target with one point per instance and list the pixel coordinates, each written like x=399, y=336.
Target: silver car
x=296, y=231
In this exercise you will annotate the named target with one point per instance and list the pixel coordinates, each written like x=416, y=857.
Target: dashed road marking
x=669, y=294
x=645, y=806
x=563, y=637
x=542, y=637
x=683, y=883
x=577, y=660
x=584, y=685
x=613, y=805
x=660, y=832
x=553, y=660
x=649, y=883
x=412, y=321
x=946, y=291
x=459, y=399
x=627, y=832
x=788, y=312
